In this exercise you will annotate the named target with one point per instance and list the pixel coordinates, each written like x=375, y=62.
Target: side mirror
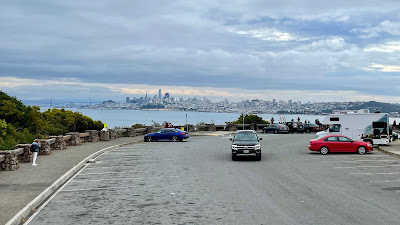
x=260, y=139
x=230, y=139
x=351, y=141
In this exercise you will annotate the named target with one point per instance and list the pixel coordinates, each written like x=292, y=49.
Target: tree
x=250, y=119
x=22, y=124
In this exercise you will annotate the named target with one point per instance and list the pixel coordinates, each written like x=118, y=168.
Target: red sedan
x=339, y=143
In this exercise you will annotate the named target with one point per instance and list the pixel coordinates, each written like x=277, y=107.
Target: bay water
x=126, y=118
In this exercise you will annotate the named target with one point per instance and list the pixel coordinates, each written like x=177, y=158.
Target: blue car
x=167, y=134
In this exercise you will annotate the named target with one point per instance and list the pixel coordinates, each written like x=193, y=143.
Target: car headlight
x=258, y=146
x=234, y=147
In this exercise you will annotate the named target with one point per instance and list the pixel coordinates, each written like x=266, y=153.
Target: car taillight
x=182, y=133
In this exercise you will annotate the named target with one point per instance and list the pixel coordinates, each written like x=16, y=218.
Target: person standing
x=35, y=151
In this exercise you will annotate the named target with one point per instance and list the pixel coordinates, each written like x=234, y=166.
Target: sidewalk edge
x=17, y=219
x=388, y=152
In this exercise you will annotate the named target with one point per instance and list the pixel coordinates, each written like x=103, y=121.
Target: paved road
x=196, y=182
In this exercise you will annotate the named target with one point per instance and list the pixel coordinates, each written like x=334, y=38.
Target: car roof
x=335, y=135
x=246, y=131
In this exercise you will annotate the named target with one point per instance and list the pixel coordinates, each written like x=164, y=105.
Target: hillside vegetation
x=22, y=124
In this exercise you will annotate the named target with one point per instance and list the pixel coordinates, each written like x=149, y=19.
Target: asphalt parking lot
x=196, y=182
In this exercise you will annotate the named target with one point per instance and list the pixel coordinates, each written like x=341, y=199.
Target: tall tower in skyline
x=159, y=94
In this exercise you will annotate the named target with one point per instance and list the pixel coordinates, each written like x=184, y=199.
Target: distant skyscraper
x=289, y=101
x=146, y=99
x=274, y=101
x=155, y=99
x=159, y=94
x=127, y=99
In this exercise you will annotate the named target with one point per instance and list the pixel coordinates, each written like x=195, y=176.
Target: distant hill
x=374, y=106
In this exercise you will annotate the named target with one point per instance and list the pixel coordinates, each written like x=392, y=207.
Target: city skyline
x=310, y=51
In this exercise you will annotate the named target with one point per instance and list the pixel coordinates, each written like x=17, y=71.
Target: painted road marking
x=384, y=181
x=395, y=173
x=130, y=171
x=119, y=166
x=364, y=160
x=352, y=167
x=108, y=188
x=367, y=155
x=123, y=178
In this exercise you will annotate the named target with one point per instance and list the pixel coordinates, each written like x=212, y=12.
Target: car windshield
x=246, y=137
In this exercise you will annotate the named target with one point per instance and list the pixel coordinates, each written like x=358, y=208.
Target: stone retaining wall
x=45, y=148
x=59, y=143
x=94, y=135
x=75, y=139
x=26, y=156
x=11, y=161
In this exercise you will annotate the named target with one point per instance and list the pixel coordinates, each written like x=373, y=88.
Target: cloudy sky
x=238, y=49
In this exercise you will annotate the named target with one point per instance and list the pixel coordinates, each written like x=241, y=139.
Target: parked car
x=395, y=135
x=339, y=143
x=276, y=128
x=246, y=142
x=311, y=127
x=295, y=127
x=167, y=134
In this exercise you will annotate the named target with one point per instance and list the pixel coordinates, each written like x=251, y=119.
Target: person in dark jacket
x=35, y=152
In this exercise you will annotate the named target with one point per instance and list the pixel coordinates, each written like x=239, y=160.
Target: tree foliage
x=249, y=119
x=22, y=124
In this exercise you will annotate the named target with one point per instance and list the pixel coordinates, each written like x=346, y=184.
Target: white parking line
x=384, y=181
x=352, y=167
x=391, y=173
x=362, y=173
x=355, y=155
x=129, y=171
x=364, y=160
x=115, y=167
x=109, y=188
x=123, y=178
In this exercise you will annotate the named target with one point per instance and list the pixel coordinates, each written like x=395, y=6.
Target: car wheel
x=181, y=139
x=361, y=150
x=258, y=157
x=275, y=131
x=233, y=157
x=174, y=138
x=324, y=150
x=308, y=131
x=149, y=139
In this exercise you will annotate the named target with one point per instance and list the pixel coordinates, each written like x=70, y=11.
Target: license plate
x=245, y=151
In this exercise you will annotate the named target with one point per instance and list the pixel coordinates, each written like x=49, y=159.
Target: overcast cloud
x=301, y=50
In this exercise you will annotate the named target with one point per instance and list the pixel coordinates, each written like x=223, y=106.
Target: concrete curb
x=388, y=152
x=18, y=218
